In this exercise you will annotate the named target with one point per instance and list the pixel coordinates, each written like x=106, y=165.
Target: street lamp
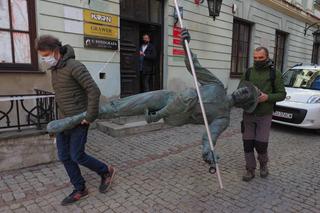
x=316, y=37
x=214, y=8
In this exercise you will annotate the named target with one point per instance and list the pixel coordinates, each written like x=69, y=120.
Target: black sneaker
x=107, y=179
x=74, y=197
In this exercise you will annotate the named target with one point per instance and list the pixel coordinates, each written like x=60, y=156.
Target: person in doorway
x=147, y=57
x=75, y=92
x=256, y=125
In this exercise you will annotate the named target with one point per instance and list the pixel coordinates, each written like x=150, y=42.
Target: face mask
x=260, y=64
x=145, y=42
x=50, y=61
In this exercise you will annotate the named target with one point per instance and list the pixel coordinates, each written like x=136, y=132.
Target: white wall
x=211, y=41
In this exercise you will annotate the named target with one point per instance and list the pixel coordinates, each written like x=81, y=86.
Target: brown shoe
x=106, y=180
x=249, y=175
x=264, y=172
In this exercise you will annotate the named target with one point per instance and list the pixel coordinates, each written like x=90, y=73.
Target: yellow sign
x=100, y=18
x=100, y=30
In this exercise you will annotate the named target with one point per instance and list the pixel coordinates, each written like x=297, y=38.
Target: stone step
x=117, y=129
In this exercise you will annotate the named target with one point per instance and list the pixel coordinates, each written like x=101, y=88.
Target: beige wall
x=211, y=41
x=22, y=83
x=52, y=19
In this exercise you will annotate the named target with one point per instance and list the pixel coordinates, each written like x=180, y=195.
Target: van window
x=302, y=78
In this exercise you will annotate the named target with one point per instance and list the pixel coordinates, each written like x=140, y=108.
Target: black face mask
x=146, y=42
x=260, y=64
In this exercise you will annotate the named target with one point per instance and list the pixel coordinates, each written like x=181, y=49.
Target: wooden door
x=129, y=58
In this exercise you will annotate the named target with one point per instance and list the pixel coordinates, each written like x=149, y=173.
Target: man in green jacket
x=75, y=92
x=256, y=125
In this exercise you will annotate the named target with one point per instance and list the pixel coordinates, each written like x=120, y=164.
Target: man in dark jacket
x=75, y=92
x=147, y=56
x=256, y=125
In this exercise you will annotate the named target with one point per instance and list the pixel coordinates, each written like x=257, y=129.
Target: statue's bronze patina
x=181, y=108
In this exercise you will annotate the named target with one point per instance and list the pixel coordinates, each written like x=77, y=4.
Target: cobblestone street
x=163, y=171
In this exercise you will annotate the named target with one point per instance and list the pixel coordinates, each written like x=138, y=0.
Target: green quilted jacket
x=261, y=79
x=75, y=90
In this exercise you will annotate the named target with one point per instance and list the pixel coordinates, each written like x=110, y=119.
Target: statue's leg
x=132, y=105
x=136, y=104
x=217, y=126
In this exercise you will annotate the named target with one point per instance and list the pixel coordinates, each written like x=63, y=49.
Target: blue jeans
x=71, y=151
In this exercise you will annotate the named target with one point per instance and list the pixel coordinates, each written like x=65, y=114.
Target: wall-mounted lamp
x=214, y=7
x=306, y=28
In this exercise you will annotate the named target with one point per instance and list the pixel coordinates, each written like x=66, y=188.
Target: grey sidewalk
x=162, y=171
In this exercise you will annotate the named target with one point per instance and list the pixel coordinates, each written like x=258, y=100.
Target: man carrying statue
x=177, y=109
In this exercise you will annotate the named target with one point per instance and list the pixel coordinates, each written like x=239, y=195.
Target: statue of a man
x=181, y=108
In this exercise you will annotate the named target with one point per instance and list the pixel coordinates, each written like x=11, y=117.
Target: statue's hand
x=151, y=116
x=208, y=156
x=185, y=35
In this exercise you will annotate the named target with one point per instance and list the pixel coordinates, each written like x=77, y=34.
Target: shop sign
x=100, y=18
x=92, y=42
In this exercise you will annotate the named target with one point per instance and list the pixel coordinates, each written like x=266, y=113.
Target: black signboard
x=91, y=42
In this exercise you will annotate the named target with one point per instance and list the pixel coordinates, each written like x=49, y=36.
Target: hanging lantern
x=214, y=7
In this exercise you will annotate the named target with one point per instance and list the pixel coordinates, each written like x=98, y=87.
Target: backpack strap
x=248, y=73
x=273, y=78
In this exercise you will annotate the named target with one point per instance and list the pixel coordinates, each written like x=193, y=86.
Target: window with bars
x=279, y=50
x=240, y=47
x=17, y=35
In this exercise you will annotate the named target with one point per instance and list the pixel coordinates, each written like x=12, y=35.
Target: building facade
x=225, y=46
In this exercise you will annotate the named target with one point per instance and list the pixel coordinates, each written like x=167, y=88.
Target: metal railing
x=27, y=110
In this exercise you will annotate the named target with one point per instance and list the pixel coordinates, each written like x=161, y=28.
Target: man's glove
x=185, y=35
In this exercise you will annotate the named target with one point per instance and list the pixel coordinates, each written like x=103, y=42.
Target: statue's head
x=246, y=96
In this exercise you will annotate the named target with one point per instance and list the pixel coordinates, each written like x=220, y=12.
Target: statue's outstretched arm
x=216, y=128
x=203, y=74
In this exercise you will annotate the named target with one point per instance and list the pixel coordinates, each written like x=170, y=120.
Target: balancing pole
x=199, y=95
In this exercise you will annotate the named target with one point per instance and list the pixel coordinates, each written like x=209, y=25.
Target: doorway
x=138, y=18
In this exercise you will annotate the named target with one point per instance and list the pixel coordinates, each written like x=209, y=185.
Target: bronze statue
x=181, y=108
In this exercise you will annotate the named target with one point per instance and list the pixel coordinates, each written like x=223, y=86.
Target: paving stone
x=7, y=196
x=162, y=171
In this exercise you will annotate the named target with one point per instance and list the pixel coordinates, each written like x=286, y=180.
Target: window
x=279, y=49
x=17, y=35
x=315, y=53
x=240, y=47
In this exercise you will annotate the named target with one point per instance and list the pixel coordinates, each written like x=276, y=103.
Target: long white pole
x=199, y=95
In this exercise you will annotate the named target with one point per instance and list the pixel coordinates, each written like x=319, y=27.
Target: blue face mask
x=50, y=61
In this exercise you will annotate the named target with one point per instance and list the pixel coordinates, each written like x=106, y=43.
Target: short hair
x=47, y=42
x=146, y=34
x=258, y=49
